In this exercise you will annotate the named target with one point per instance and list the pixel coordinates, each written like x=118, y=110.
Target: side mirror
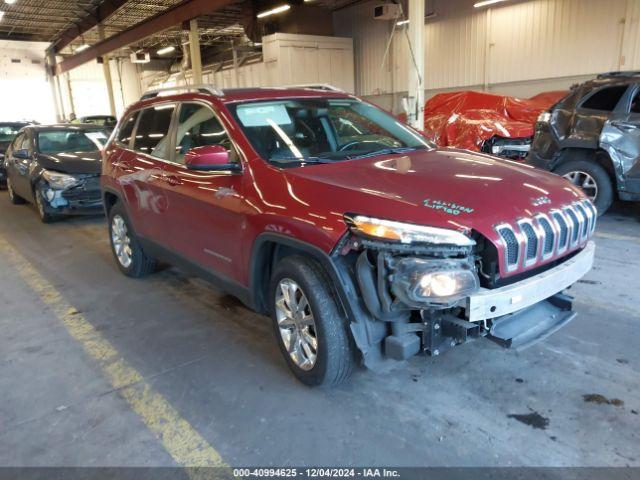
x=22, y=154
x=209, y=158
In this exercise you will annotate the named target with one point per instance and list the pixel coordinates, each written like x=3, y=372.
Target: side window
x=124, y=135
x=635, y=102
x=605, y=99
x=17, y=142
x=198, y=127
x=27, y=143
x=152, y=133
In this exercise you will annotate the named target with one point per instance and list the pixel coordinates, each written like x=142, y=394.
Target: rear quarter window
x=124, y=135
x=151, y=136
x=605, y=100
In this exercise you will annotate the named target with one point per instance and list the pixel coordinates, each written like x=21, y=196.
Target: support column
x=416, y=75
x=108, y=81
x=107, y=75
x=59, y=88
x=194, y=50
x=51, y=67
x=72, y=106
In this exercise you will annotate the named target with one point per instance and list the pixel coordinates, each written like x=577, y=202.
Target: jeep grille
x=530, y=241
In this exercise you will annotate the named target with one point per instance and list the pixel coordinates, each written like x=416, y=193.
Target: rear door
x=591, y=114
x=621, y=139
x=140, y=171
x=205, y=209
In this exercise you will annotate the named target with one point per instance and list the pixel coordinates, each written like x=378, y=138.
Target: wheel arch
x=269, y=248
x=599, y=156
x=109, y=199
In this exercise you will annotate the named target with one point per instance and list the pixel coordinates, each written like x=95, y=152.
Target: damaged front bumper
x=516, y=316
x=502, y=301
x=82, y=199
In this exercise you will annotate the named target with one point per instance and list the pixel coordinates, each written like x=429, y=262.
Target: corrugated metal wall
x=88, y=88
x=522, y=41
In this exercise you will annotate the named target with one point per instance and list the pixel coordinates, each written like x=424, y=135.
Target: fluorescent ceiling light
x=273, y=11
x=9, y=2
x=484, y=3
x=402, y=22
x=82, y=47
x=165, y=50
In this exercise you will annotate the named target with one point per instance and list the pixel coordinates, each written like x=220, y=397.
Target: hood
x=446, y=187
x=72, y=162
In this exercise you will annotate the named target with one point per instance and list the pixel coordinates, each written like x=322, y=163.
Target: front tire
x=312, y=332
x=125, y=246
x=13, y=198
x=42, y=213
x=592, y=179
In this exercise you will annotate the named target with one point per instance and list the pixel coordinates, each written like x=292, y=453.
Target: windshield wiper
x=301, y=160
x=387, y=151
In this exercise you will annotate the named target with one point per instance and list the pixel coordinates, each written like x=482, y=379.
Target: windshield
x=9, y=130
x=291, y=132
x=60, y=141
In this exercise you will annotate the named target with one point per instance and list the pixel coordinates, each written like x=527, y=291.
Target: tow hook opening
x=436, y=333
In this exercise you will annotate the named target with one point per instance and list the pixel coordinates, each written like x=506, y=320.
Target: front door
x=205, y=209
x=20, y=179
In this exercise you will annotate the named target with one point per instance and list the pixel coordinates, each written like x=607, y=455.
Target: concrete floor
x=572, y=400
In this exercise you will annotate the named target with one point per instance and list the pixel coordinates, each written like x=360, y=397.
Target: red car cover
x=466, y=119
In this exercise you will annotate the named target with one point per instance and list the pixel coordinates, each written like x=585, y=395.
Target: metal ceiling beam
x=104, y=11
x=182, y=12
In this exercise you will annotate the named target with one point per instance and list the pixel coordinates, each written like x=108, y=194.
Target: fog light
x=420, y=282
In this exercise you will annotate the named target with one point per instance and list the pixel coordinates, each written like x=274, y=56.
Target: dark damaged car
x=57, y=168
x=592, y=138
x=8, y=131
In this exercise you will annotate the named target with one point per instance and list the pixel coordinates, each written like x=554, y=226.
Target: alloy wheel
x=585, y=181
x=121, y=241
x=296, y=324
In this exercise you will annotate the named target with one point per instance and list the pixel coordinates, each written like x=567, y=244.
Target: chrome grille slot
x=531, y=242
x=584, y=220
x=512, y=246
x=575, y=225
x=549, y=236
x=592, y=214
x=563, y=228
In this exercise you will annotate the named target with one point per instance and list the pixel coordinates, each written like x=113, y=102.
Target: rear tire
x=125, y=246
x=325, y=333
x=13, y=198
x=585, y=172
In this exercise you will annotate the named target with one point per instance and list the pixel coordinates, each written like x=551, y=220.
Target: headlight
x=419, y=281
x=60, y=181
x=544, y=117
x=406, y=232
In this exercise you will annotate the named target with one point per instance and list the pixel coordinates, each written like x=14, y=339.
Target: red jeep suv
x=362, y=240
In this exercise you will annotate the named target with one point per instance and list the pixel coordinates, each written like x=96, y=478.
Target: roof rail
x=317, y=86
x=204, y=88
x=630, y=73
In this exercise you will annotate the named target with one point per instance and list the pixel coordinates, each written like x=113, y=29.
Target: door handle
x=627, y=127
